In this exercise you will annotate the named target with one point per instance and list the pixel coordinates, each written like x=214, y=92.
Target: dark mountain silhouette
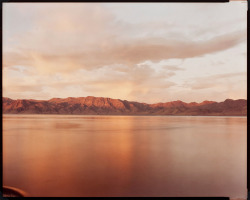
x=107, y=106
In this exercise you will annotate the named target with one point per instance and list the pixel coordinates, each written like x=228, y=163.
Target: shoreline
x=242, y=116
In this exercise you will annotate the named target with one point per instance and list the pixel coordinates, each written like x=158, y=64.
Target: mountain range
x=107, y=106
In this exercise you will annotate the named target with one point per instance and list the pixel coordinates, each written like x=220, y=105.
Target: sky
x=146, y=52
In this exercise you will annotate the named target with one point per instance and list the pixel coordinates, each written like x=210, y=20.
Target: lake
x=76, y=155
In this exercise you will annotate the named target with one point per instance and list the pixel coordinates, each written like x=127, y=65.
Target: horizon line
x=127, y=100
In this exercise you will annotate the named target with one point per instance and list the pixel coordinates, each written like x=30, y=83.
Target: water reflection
x=50, y=155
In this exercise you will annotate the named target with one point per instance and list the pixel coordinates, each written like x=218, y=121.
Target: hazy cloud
x=218, y=80
x=123, y=53
x=172, y=68
x=61, y=50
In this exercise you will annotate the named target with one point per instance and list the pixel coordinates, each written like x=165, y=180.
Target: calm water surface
x=68, y=155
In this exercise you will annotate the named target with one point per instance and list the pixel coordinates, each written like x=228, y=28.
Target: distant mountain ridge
x=106, y=106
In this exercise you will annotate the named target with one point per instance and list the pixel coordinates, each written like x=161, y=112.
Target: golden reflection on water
x=50, y=155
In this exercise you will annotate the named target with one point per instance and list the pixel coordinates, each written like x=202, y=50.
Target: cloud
x=172, y=68
x=132, y=83
x=25, y=88
x=122, y=53
x=89, y=36
x=86, y=49
x=217, y=87
x=215, y=81
x=15, y=58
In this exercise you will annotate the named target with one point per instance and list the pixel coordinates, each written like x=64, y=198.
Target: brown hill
x=107, y=106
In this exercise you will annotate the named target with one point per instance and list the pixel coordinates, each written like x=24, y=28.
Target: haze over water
x=74, y=155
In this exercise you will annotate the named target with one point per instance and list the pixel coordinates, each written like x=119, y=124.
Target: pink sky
x=134, y=51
